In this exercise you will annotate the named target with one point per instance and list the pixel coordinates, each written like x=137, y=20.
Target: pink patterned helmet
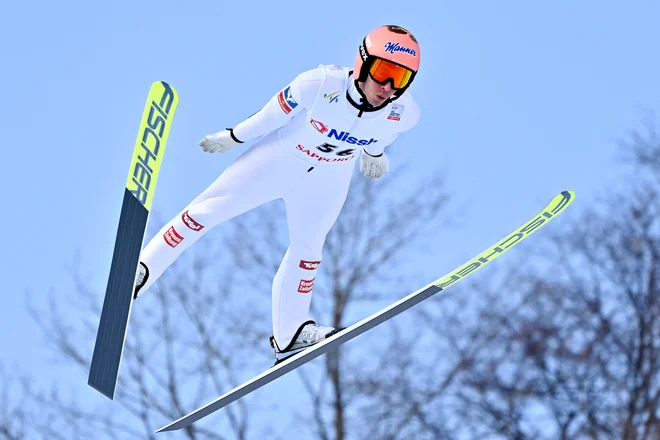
x=400, y=51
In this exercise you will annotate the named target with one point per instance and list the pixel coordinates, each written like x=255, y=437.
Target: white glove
x=219, y=142
x=374, y=166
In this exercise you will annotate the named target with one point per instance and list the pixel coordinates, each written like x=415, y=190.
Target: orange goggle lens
x=382, y=70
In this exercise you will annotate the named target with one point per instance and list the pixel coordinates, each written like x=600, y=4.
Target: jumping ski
x=138, y=196
x=558, y=204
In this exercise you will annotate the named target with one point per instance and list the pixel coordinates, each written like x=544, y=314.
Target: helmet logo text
x=394, y=47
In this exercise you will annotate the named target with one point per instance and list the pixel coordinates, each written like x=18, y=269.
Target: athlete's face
x=377, y=93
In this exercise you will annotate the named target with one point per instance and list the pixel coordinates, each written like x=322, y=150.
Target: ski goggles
x=382, y=71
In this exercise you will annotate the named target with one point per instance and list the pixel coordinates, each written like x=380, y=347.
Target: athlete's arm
x=377, y=148
x=282, y=107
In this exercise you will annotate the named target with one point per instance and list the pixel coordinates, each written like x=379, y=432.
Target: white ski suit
x=311, y=135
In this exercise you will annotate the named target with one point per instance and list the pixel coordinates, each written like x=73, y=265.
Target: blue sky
x=519, y=100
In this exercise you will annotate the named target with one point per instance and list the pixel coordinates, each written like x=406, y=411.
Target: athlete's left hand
x=374, y=166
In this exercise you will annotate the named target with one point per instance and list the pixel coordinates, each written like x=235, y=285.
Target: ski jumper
x=311, y=134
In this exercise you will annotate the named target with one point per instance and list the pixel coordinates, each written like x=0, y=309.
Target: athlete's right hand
x=219, y=142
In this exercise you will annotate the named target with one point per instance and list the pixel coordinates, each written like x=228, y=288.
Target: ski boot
x=142, y=277
x=308, y=334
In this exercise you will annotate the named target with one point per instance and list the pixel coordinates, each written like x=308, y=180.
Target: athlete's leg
x=312, y=209
x=259, y=175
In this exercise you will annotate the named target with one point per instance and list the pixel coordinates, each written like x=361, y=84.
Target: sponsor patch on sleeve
x=286, y=100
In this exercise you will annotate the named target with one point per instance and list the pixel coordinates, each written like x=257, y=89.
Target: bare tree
x=580, y=350
x=567, y=346
x=13, y=415
x=178, y=355
x=564, y=345
x=371, y=235
x=181, y=350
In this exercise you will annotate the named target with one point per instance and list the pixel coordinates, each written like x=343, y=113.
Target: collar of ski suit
x=357, y=98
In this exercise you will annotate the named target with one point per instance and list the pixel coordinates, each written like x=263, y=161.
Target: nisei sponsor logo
x=345, y=136
x=342, y=136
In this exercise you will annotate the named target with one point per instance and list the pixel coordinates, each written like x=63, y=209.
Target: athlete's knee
x=309, y=244
x=307, y=252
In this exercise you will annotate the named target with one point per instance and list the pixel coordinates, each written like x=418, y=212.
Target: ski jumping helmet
x=388, y=53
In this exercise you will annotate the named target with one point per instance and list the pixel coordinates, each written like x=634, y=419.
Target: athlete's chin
x=377, y=100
